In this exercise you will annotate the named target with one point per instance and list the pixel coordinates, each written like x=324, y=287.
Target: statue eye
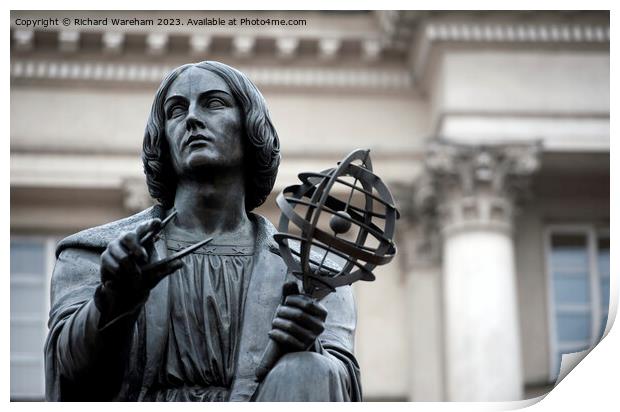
x=175, y=110
x=214, y=103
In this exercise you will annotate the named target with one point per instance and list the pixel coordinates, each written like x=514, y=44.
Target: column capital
x=475, y=186
x=491, y=167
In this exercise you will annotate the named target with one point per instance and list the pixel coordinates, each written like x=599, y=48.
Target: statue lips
x=197, y=140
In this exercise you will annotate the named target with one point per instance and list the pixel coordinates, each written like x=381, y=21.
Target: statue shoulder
x=98, y=237
x=264, y=232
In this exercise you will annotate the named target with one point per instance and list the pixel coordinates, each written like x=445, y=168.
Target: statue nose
x=193, y=122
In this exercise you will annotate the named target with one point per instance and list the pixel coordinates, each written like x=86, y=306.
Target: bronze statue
x=123, y=328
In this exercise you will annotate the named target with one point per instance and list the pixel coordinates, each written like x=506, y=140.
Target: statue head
x=261, y=147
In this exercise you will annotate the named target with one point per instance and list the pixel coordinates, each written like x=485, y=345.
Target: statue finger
x=302, y=334
x=148, y=226
x=301, y=318
x=109, y=266
x=118, y=252
x=287, y=340
x=129, y=238
x=131, y=242
x=290, y=288
x=307, y=304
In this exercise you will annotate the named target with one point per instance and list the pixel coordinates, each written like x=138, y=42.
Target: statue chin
x=205, y=162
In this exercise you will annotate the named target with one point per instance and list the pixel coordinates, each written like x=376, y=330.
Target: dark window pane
x=573, y=327
x=569, y=252
x=569, y=258
x=571, y=290
x=605, y=295
x=27, y=257
x=28, y=299
x=603, y=243
x=27, y=338
x=603, y=325
x=568, y=241
x=603, y=262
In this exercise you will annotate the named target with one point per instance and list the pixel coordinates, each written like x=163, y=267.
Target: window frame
x=591, y=232
x=18, y=358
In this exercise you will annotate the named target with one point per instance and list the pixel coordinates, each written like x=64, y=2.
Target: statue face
x=203, y=123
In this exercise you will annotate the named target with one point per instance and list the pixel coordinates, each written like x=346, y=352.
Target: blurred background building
x=491, y=128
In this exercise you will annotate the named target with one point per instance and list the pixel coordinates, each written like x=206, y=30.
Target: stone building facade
x=491, y=128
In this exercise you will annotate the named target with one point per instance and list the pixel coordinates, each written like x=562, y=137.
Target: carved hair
x=261, y=148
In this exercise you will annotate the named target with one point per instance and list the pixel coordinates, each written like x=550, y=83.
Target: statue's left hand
x=298, y=322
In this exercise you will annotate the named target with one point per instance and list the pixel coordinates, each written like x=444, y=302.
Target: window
x=578, y=273
x=32, y=259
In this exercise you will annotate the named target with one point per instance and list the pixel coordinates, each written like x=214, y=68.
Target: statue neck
x=212, y=206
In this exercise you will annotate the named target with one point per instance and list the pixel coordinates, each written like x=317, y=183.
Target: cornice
x=281, y=76
x=462, y=34
x=362, y=46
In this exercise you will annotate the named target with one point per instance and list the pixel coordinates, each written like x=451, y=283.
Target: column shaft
x=482, y=338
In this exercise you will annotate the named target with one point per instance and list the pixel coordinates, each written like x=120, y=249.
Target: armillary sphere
x=337, y=225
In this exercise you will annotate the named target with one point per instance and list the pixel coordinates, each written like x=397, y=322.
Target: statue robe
x=123, y=359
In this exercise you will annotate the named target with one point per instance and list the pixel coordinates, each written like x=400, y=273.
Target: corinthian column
x=474, y=189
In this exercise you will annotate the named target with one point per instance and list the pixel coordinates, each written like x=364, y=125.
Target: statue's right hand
x=123, y=260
